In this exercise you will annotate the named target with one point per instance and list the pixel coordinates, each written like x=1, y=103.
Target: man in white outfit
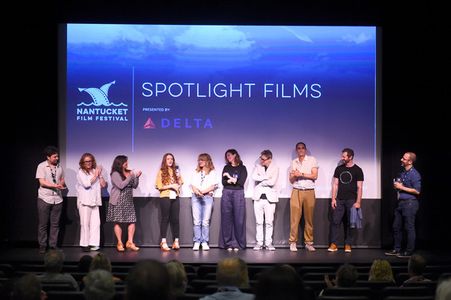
x=265, y=175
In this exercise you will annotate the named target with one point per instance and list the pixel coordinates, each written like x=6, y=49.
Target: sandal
x=131, y=246
x=164, y=247
x=175, y=245
x=120, y=247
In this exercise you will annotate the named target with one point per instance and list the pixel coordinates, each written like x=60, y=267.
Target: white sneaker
x=95, y=248
x=293, y=247
x=205, y=246
x=236, y=249
x=310, y=247
x=196, y=246
x=258, y=247
x=271, y=247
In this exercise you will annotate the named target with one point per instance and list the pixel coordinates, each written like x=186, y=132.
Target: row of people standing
x=346, y=193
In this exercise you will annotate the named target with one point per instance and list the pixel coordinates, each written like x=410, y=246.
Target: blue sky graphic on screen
x=144, y=90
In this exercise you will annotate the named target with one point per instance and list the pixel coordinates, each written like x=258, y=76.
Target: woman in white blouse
x=89, y=184
x=204, y=181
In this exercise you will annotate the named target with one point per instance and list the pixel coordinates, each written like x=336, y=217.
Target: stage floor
x=188, y=256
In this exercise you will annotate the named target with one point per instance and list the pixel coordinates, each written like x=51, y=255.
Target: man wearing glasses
x=50, y=198
x=265, y=175
x=304, y=172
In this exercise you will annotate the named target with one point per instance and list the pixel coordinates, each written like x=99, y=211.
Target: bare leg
x=131, y=232
x=118, y=233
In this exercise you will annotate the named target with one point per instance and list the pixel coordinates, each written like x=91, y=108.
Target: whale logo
x=99, y=96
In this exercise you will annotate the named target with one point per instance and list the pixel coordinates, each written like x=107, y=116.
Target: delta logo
x=179, y=123
x=101, y=108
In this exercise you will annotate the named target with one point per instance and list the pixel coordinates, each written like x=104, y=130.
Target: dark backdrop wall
x=414, y=90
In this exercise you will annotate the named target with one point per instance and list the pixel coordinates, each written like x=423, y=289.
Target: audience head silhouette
x=381, y=270
x=28, y=287
x=280, y=282
x=346, y=276
x=148, y=279
x=99, y=285
x=53, y=261
x=100, y=262
x=177, y=277
x=443, y=291
x=232, y=272
x=84, y=263
x=416, y=265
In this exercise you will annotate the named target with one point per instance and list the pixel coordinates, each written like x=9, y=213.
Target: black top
x=347, y=181
x=239, y=171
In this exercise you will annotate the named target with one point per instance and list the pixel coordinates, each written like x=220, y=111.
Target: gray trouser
x=45, y=212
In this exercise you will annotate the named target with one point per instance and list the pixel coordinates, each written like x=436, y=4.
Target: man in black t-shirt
x=346, y=194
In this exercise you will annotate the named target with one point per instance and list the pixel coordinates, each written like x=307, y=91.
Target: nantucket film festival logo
x=101, y=108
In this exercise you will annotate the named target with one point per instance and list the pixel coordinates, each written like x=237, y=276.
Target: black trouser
x=45, y=212
x=170, y=211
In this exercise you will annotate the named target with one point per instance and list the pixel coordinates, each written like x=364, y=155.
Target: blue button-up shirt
x=410, y=179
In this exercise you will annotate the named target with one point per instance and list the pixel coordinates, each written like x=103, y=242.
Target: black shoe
x=405, y=254
x=42, y=250
x=392, y=252
x=85, y=249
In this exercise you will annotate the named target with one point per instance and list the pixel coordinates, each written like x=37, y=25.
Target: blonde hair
x=381, y=270
x=208, y=163
x=232, y=272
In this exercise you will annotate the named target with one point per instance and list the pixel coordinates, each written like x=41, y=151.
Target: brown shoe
x=332, y=247
x=175, y=245
x=131, y=246
x=120, y=247
x=348, y=248
x=164, y=247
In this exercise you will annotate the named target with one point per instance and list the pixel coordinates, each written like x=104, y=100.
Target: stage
x=186, y=255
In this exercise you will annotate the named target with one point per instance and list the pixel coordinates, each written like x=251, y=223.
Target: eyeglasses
x=264, y=159
x=87, y=161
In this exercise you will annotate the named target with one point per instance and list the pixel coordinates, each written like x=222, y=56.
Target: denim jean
x=202, y=207
x=405, y=213
x=343, y=209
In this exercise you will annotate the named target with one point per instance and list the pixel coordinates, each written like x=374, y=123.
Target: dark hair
x=118, y=162
x=84, y=263
x=346, y=275
x=349, y=151
x=53, y=261
x=280, y=282
x=416, y=264
x=300, y=143
x=27, y=287
x=266, y=153
x=234, y=152
x=50, y=150
x=148, y=279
